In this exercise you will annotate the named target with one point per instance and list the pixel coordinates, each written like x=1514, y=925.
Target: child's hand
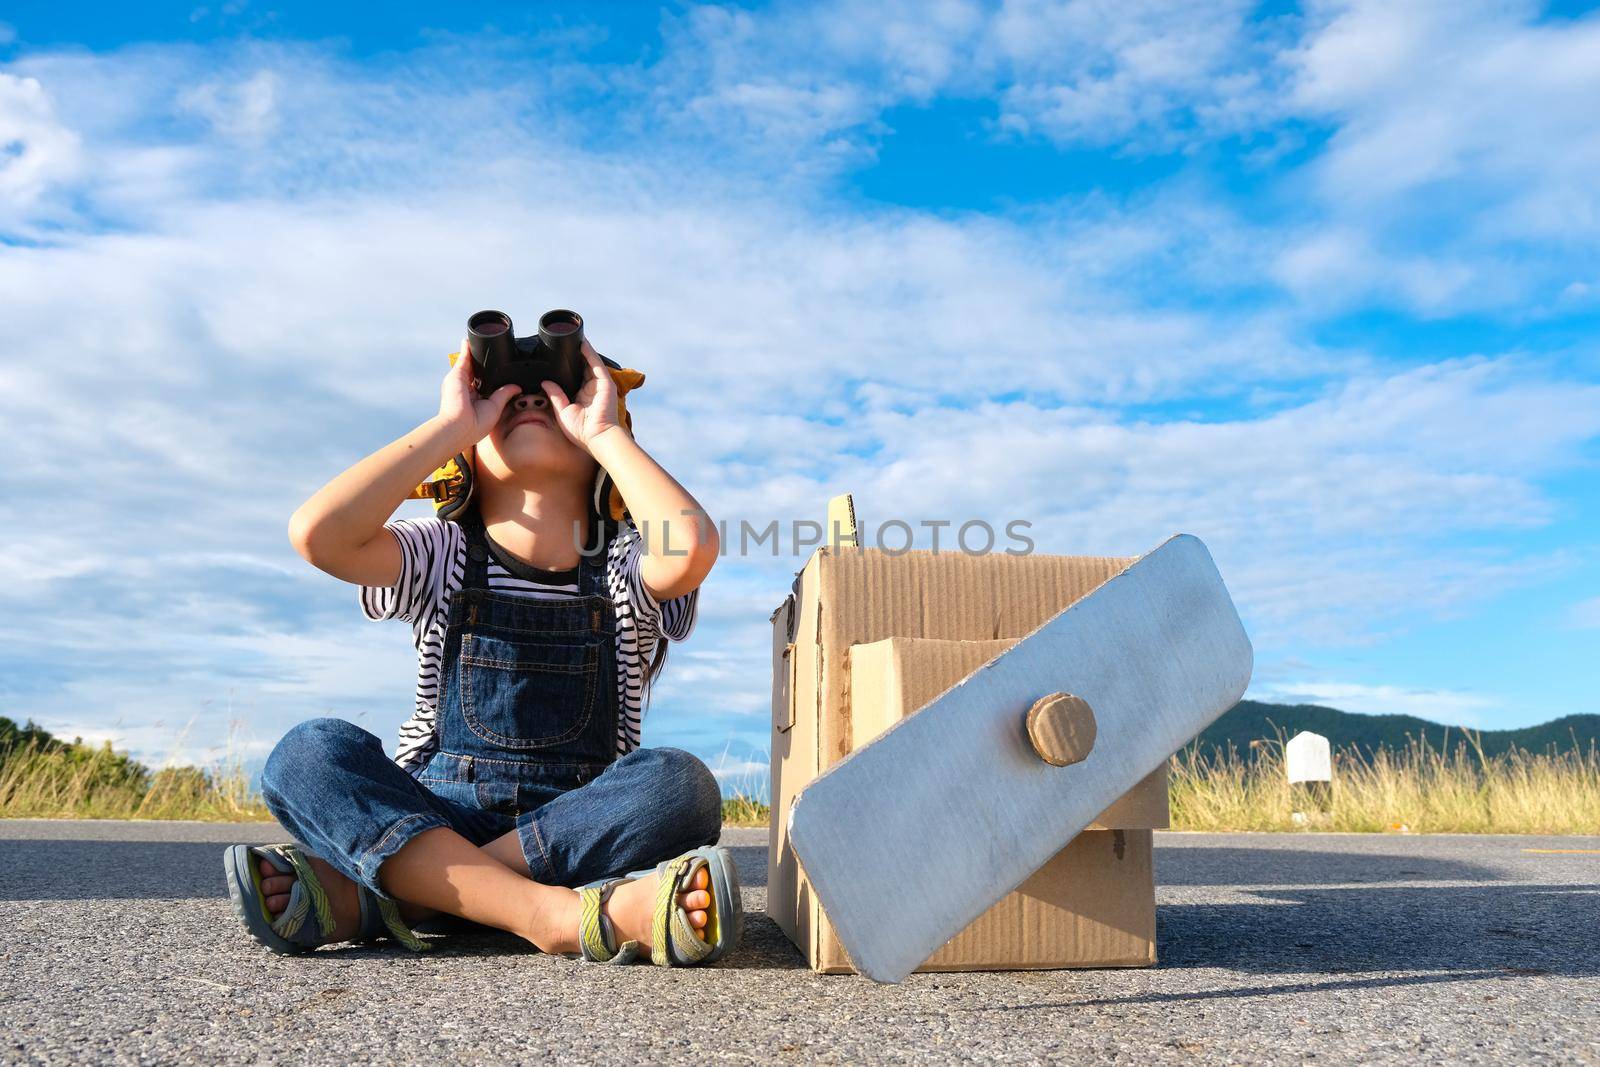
x=462, y=409
x=594, y=410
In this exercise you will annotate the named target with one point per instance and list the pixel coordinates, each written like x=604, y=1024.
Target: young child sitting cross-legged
x=519, y=797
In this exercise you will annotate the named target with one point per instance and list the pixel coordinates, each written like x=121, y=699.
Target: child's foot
x=342, y=895
x=631, y=909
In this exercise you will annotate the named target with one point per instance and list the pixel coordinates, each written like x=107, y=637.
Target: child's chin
x=544, y=457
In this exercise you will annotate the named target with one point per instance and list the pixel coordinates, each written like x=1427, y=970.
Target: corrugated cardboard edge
x=789, y=902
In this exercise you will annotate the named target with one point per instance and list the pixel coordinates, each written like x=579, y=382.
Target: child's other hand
x=594, y=410
x=462, y=409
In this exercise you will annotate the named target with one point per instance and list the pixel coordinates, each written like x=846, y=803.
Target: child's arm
x=340, y=528
x=681, y=541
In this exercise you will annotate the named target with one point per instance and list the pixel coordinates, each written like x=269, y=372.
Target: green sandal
x=294, y=931
x=674, y=942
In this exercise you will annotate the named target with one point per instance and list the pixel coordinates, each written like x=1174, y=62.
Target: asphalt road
x=119, y=947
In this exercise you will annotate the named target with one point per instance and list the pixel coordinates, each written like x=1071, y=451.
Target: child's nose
x=524, y=401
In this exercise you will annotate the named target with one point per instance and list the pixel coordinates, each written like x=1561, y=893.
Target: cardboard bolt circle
x=1061, y=729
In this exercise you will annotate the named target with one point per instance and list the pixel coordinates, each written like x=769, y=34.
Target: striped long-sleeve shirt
x=434, y=552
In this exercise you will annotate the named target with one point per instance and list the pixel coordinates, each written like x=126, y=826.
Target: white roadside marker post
x=1308, y=762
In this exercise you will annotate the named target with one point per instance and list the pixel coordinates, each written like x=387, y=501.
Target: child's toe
x=276, y=885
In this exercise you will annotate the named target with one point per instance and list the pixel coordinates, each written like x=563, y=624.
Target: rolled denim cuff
x=533, y=849
x=393, y=840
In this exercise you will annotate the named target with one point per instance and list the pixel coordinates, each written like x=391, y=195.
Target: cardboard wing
x=907, y=840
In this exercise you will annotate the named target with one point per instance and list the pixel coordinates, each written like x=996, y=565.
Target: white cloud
x=165, y=743
x=1150, y=74
x=1340, y=267
x=735, y=770
x=1586, y=613
x=1459, y=133
x=1140, y=76
x=1443, y=138
x=1326, y=516
x=1431, y=93
x=37, y=152
x=1449, y=707
x=245, y=109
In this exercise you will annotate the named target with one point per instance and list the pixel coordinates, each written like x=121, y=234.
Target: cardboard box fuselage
x=871, y=636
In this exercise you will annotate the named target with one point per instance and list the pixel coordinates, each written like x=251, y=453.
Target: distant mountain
x=1250, y=720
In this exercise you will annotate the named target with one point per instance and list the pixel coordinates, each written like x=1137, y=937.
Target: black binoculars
x=554, y=354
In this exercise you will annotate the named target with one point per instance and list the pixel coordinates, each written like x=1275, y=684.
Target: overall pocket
x=523, y=695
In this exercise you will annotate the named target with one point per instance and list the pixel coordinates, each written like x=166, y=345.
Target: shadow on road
x=1245, y=866
x=1356, y=938
x=109, y=870
x=1504, y=929
x=762, y=948
x=1250, y=992
x=79, y=869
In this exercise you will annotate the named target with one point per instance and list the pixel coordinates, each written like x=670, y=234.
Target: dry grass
x=43, y=778
x=83, y=782
x=78, y=781
x=744, y=810
x=742, y=804
x=1420, y=788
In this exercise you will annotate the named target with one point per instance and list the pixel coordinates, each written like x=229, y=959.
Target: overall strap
x=477, y=562
x=592, y=567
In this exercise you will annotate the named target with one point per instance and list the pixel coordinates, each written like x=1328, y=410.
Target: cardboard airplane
x=908, y=839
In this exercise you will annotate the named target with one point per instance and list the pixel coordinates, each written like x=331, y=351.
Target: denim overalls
x=527, y=734
x=528, y=698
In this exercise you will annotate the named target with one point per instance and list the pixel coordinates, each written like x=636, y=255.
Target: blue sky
x=1316, y=283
